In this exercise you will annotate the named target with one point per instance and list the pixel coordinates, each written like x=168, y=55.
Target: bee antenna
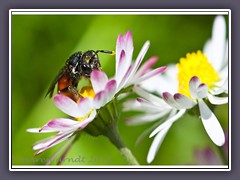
x=106, y=51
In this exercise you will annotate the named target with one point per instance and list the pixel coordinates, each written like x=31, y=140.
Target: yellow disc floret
x=195, y=64
x=85, y=117
x=87, y=91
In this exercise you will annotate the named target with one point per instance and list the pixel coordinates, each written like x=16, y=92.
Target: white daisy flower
x=199, y=78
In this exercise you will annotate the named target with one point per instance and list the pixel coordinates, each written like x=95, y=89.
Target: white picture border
x=119, y=12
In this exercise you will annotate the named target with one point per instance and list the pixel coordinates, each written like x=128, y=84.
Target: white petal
x=211, y=124
x=217, y=100
x=222, y=87
x=225, y=58
x=150, y=74
x=145, y=67
x=146, y=118
x=157, y=143
x=184, y=101
x=224, y=72
x=122, y=67
x=98, y=80
x=37, y=130
x=124, y=51
x=193, y=86
x=110, y=89
x=202, y=91
x=167, y=122
x=168, y=98
x=138, y=61
x=100, y=99
x=166, y=81
x=217, y=43
x=129, y=42
x=67, y=105
x=33, y=130
x=150, y=97
x=134, y=105
x=46, y=144
x=84, y=106
x=124, y=43
x=152, y=105
x=197, y=90
x=207, y=49
x=66, y=145
x=60, y=124
x=123, y=80
x=85, y=122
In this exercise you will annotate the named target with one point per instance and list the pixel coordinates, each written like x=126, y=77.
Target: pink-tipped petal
x=146, y=66
x=84, y=106
x=168, y=98
x=110, y=89
x=202, y=91
x=98, y=80
x=33, y=130
x=139, y=60
x=149, y=96
x=100, y=99
x=46, y=144
x=122, y=67
x=152, y=105
x=123, y=81
x=124, y=50
x=60, y=124
x=67, y=105
x=193, y=86
x=129, y=41
x=86, y=121
x=184, y=101
x=150, y=74
x=211, y=124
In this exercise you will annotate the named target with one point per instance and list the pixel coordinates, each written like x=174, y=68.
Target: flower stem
x=115, y=138
x=106, y=124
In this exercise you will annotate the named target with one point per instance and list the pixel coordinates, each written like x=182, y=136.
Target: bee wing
x=53, y=84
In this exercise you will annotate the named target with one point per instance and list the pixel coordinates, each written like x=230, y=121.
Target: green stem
x=106, y=124
x=115, y=138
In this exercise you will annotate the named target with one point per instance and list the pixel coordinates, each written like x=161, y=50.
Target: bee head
x=89, y=62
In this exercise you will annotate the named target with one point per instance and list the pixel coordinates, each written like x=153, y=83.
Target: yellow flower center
x=84, y=117
x=195, y=64
x=86, y=92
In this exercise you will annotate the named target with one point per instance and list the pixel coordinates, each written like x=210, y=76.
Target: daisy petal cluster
x=82, y=112
x=196, y=78
x=92, y=106
x=127, y=72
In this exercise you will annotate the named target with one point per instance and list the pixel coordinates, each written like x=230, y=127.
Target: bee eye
x=86, y=68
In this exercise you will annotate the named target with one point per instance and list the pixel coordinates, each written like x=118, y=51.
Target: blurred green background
x=42, y=43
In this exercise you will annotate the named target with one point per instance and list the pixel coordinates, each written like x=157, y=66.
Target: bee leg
x=71, y=92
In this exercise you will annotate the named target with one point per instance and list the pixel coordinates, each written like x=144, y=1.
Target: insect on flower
x=77, y=66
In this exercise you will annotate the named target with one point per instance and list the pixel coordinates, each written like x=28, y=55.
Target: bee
x=79, y=65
